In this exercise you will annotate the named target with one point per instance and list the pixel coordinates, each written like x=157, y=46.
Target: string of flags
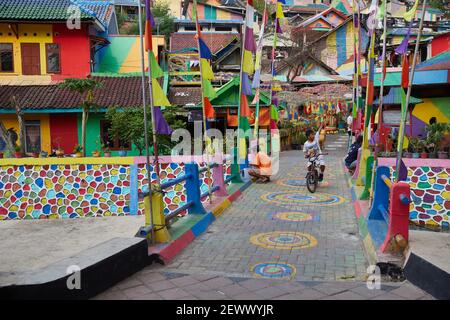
x=158, y=96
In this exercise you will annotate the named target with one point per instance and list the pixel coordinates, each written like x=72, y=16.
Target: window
x=32, y=136
x=6, y=57
x=111, y=142
x=53, y=58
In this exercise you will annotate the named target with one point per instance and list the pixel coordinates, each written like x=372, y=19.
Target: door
x=31, y=61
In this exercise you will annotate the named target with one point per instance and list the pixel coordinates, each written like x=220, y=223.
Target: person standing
x=349, y=128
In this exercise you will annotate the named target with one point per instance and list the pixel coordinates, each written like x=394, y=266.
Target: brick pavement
x=320, y=258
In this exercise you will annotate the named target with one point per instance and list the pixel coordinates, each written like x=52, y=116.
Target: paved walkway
x=300, y=246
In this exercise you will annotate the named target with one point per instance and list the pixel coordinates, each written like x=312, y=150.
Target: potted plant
x=43, y=154
x=78, y=151
x=106, y=151
x=18, y=152
x=122, y=152
x=59, y=152
x=423, y=149
x=35, y=152
x=414, y=146
x=96, y=153
x=436, y=138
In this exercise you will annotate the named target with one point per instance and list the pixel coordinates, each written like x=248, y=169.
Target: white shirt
x=349, y=122
x=312, y=145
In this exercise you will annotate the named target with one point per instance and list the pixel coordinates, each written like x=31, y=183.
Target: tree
x=165, y=23
x=128, y=124
x=442, y=5
x=85, y=87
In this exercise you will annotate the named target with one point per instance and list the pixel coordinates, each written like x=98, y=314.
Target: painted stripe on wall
x=341, y=46
x=133, y=190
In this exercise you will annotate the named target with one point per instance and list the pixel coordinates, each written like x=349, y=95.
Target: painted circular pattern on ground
x=284, y=240
x=299, y=183
x=292, y=198
x=293, y=216
x=274, y=270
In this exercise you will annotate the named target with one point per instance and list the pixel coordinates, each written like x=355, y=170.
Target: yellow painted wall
x=10, y=121
x=43, y=36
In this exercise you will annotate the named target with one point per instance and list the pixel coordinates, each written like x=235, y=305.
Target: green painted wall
x=93, y=133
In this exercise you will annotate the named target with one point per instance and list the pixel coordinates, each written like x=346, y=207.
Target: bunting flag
x=247, y=69
x=158, y=96
x=403, y=47
x=273, y=117
x=207, y=73
x=372, y=19
x=209, y=110
x=149, y=25
x=410, y=15
x=279, y=16
x=208, y=90
x=162, y=127
x=403, y=173
x=405, y=71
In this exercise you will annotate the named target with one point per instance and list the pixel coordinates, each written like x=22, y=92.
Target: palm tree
x=85, y=87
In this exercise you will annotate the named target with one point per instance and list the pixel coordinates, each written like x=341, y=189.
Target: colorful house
x=41, y=41
x=335, y=48
x=53, y=115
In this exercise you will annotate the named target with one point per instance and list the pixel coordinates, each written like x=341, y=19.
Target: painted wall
x=93, y=135
x=74, y=46
x=74, y=188
x=440, y=44
x=123, y=55
x=75, y=51
x=10, y=121
x=211, y=11
x=64, y=131
x=423, y=112
x=337, y=47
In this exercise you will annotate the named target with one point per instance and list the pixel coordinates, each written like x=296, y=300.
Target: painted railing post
x=218, y=179
x=398, y=213
x=368, y=180
x=381, y=194
x=160, y=230
x=193, y=191
x=235, y=168
x=365, y=154
x=358, y=160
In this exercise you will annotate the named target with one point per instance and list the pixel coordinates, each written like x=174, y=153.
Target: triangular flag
x=245, y=109
x=156, y=69
x=405, y=72
x=159, y=98
x=162, y=127
x=207, y=72
x=246, y=87
x=248, y=65
x=208, y=90
x=409, y=15
x=209, y=109
x=403, y=172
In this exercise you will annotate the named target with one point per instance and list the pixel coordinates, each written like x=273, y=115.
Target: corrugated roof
x=394, y=97
x=439, y=62
x=54, y=10
x=116, y=91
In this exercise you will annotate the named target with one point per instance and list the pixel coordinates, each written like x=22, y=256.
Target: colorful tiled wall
x=430, y=195
x=83, y=190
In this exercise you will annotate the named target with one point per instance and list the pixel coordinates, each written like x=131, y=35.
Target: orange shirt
x=264, y=164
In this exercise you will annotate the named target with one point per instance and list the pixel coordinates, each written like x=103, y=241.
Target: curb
x=50, y=282
x=427, y=277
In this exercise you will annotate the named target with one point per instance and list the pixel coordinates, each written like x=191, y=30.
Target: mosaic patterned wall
x=64, y=191
x=430, y=193
x=73, y=191
x=174, y=196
